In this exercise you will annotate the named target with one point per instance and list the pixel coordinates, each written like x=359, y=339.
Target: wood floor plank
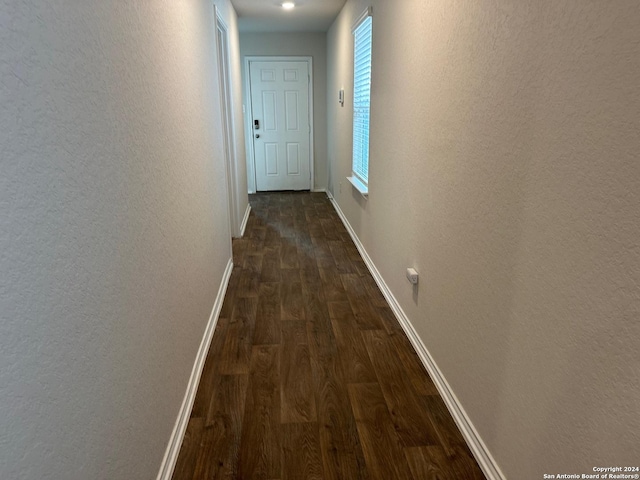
x=340, y=257
x=340, y=310
x=298, y=403
x=291, y=304
x=239, y=249
x=267, y=330
x=301, y=457
x=431, y=463
x=289, y=256
x=315, y=227
x=320, y=334
x=373, y=292
x=230, y=295
x=286, y=209
x=218, y=456
x=303, y=237
x=352, y=250
x=290, y=275
x=427, y=463
x=309, y=272
x=333, y=287
x=458, y=455
x=356, y=366
x=216, y=452
x=252, y=262
x=381, y=447
x=330, y=227
x=354, y=358
x=259, y=455
x=406, y=408
x=272, y=238
x=286, y=226
x=321, y=340
x=185, y=465
x=360, y=267
x=354, y=284
x=345, y=237
x=324, y=258
x=255, y=235
x=210, y=375
x=250, y=276
x=389, y=321
x=236, y=351
x=340, y=445
x=257, y=232
x=342, y=455
x=228, y=400
x=414, y=369
x=365, y=315
x=270, y=272
x=325, y=210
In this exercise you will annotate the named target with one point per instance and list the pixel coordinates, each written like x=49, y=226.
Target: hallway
x=309, y=374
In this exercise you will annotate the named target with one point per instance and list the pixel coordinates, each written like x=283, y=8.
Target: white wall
x=298, y=44
x=504, y=166
x=113, y=229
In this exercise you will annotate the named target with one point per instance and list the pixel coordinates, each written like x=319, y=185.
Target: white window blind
x=361, y=98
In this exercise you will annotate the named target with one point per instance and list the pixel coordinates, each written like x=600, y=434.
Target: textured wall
x=298, y=44
x=113, y=229
x=504, y=166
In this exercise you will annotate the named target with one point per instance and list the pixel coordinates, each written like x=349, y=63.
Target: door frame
x=224, y=82
x=251, y=158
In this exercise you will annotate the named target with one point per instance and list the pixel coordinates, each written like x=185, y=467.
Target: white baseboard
x=179, y=429
x=470, y=434
x=243, y=225
x=319, y=190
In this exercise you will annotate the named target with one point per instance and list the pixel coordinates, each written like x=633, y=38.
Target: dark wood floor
x=309, y=374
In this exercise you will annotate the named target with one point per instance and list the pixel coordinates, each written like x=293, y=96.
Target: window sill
x=358, y=185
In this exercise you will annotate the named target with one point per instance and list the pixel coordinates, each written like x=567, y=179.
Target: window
x=362, y=35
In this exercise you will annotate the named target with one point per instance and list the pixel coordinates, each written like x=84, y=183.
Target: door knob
x=257, y=135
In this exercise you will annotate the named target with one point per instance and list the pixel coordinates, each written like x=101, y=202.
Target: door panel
x=291, y=110
x=269, y=116
x=293, y=159
x=281, y=136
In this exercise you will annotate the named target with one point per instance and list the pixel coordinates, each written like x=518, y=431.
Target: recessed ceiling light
x=288, y=5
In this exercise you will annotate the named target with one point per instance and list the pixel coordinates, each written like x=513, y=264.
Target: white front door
x=281, y=125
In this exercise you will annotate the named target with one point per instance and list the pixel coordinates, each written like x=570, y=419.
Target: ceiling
x=269, y=16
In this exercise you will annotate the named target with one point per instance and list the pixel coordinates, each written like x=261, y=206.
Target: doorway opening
x=222, y=48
